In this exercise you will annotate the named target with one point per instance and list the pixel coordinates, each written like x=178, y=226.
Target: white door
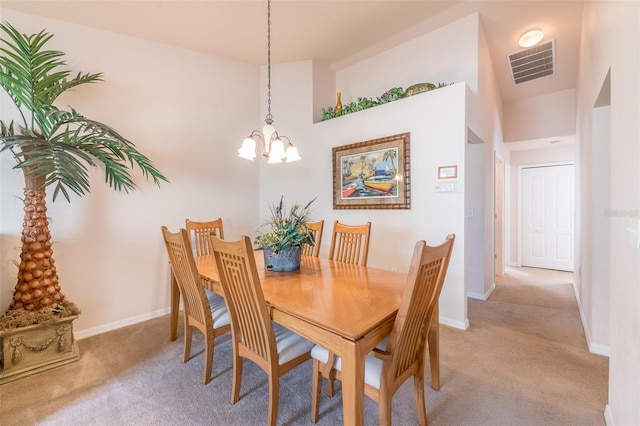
x=548, y=217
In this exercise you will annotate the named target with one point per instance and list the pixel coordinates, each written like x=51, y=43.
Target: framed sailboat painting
x=372, y=174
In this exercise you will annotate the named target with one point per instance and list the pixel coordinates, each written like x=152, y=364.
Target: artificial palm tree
x=53, y=147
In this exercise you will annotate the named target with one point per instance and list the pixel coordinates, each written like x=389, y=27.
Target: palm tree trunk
x=37, y=286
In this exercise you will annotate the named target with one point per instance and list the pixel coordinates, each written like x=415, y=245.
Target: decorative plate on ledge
x=419, y=88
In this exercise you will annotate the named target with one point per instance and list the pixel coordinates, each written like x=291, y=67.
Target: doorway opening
x=547, y=194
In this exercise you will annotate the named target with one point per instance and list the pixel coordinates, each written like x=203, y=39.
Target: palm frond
x=99, y=138
x=53, y=145
x=23, y=64
x=53, y=161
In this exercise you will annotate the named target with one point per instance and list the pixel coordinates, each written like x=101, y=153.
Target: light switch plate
x=445, y=187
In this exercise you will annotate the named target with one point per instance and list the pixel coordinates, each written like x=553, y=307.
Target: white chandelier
x=273, y=146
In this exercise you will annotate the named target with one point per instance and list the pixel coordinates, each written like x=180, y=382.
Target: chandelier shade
x=248, y=149
x=273, y=145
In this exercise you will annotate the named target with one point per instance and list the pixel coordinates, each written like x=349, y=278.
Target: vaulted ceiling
x=337, y=32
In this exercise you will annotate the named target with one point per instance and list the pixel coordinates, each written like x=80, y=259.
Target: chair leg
x=188, y=332
x=331, y=390
x=329, y=372
x=274, y=394
x=418, y=387
x=433, y=337
x=208, y=357
x=384, y=407
x=237, y=377
x=316, y=390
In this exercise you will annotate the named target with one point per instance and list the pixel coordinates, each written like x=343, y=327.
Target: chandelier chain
x=269, y=117
x=275, y=148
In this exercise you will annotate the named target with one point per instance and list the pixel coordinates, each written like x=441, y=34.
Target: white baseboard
x=594, y=348
x=161, y=312
x=455, y=324
x=597, y=349
x=484, y=296
x=608, y=417
x=119, y=324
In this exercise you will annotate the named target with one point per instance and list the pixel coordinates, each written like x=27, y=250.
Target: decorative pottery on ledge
x=287, y=260
x=338, y=108
x=419, y=88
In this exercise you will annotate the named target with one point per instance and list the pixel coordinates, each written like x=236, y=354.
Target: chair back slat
x=199, y=233
x=250, y=321
x=316, y=231
x=186, y=274
x=350, y=243
x=424, y=283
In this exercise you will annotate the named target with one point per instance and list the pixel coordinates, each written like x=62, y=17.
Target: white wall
x=183, y=110
x=489, y=117
x=448, y=54
x=324, y=85
x=436, y=124
x=611, y=41
x=597, y=329
x=545, y=116
x=475, y=212
x=455, y=52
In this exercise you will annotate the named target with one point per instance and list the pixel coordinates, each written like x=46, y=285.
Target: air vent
x=533, y=63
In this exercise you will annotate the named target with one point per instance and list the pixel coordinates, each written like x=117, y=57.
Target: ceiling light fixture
x=273, y=147
x=530, y=37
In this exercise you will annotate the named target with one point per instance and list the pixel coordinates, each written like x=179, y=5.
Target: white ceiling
x=338, y=32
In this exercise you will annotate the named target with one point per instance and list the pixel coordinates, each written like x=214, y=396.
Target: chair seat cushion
x=218, y=309
x=290, y=345
x=372, y=365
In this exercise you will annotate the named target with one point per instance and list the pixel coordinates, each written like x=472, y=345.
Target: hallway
x=523, y=360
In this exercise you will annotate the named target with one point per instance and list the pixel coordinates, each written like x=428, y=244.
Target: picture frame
x=373, y=174
x=447, y=172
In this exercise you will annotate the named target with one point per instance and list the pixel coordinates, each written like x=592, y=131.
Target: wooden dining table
x=346, y=308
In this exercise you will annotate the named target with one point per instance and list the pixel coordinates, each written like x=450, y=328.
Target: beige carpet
x=523, y=361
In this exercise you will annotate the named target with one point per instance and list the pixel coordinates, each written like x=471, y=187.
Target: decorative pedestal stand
x=36, y=348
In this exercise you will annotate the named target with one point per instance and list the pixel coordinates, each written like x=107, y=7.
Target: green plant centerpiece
x=285, y=232
x=53, y=147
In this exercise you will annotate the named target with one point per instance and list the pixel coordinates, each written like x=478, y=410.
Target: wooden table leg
x=433, y=337
x=352, y=383
x=175, y=307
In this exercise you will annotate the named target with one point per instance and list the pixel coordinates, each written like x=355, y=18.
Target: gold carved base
x=36, y=348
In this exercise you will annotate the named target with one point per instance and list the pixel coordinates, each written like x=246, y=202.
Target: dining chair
x=316, y=230
x=199, y=233
x=350, y=243
x=401, y=354
x=206, y=312
x=275, y=349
